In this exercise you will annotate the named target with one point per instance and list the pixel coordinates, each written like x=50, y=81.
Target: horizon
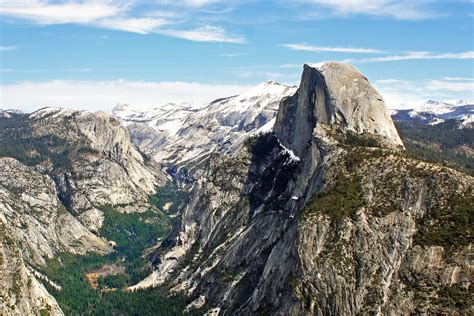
x=93, y=55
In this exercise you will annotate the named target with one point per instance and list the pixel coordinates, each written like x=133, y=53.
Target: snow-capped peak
x=9, y=112
x=270, y=82
x=259, y=96
x=435, y=107
x=435, y=112
x=53, y=111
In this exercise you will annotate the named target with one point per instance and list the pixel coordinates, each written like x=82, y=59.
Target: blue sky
x=94, y=54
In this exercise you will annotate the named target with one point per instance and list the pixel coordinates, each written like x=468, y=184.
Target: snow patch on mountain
x=167, y=118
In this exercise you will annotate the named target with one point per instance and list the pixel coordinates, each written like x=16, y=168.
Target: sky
x=94, y=54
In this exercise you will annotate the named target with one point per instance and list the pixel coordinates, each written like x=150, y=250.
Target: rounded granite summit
x=357, y=104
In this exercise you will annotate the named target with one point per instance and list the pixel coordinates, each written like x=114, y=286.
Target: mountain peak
x=270, y=82
x=336, y=93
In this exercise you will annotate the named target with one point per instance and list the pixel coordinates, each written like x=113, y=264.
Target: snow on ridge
x=168, y=117
x=434, y=112
x=265, y=93
x=125, y=111
x=434, y=106
x=268, y=127
x=7, y=113
x=54, y=111
x=181, y=134
x=290, y=152
x=392, y=112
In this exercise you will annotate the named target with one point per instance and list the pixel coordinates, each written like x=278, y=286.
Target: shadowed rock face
x=335, y=94
x=298, y=114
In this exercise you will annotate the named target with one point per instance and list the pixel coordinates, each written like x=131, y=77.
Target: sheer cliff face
x=298, y=114
x=325, y=216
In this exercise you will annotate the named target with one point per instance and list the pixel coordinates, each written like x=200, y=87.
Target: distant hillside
x=444, y=142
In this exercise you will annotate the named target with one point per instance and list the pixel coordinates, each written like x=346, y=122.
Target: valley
x=97, y=285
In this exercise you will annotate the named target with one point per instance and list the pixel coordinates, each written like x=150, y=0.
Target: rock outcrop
x=104, y=167
x=21, y=292
x=30, y=207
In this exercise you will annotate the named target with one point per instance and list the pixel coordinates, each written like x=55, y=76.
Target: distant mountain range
x=434, y=112
x=182, y=134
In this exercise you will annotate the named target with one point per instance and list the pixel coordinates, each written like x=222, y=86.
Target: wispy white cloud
x=191, y=3
x=44, y=12
x=458, y=79
x=290, y=66
x=400, y=57
x=398, y=9
x=207, y=33
x=135, y=25
x=264, y=75
x=449, y=85
x=2, y=48
x=162, y=14
x=317, y=49
x=413, y=56
x=116, y=15
x=231, y=55
x=104, y=95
